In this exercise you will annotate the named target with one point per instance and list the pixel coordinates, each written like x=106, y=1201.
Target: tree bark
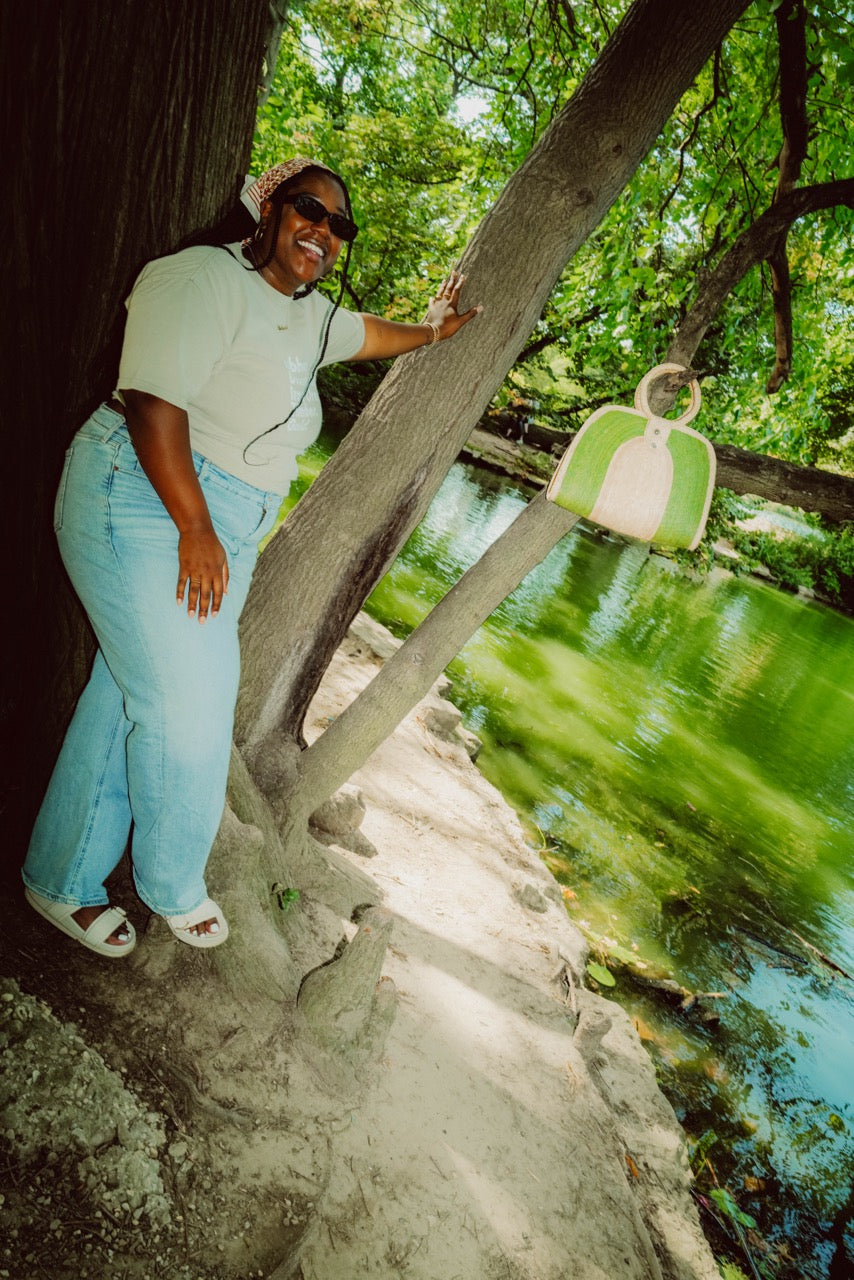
x=792, y=40
x=810, y=488
x=403, y=444
x=126, y=127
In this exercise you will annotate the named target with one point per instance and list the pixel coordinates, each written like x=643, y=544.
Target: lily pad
x=600, y=974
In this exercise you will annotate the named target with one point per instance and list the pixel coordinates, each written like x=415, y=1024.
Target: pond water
x=682, y=753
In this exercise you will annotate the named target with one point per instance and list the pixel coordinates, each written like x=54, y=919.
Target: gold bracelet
x=434, y=329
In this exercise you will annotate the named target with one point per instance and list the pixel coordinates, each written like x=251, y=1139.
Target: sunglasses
x=315, y=211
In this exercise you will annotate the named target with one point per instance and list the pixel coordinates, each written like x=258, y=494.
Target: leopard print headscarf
x=261, y=188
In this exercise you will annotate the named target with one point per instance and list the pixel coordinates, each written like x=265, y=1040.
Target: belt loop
x=103, y=428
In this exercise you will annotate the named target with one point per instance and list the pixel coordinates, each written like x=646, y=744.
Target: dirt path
x=508, y=1128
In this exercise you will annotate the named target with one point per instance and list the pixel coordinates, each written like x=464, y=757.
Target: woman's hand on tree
x=387, y=338
x=443, y=308
x=202, y=572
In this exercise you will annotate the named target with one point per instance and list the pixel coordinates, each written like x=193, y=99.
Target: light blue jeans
x=149, y=744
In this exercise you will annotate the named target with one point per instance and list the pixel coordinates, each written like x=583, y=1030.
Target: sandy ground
x=508, y=1127
x=515, y=1113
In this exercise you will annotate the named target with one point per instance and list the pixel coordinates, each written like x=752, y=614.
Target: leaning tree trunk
x=126, y=126
x=407, y=676
x=344, y=533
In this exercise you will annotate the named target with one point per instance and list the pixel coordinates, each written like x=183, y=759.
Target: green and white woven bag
x=638, y=474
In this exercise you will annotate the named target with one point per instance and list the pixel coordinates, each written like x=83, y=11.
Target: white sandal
x=61, y=915
x=207, y=910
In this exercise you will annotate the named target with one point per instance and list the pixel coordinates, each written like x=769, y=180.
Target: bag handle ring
x=642, y=400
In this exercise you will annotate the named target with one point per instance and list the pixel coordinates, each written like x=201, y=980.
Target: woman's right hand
x=202, y=572
x=160, y=433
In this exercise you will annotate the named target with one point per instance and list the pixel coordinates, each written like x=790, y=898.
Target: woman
x=184, y=470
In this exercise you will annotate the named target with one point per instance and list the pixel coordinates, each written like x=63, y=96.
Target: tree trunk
x=126, y=126
x=319, y=569
x=407, y=676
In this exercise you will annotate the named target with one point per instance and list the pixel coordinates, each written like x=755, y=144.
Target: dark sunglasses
x=315, y=211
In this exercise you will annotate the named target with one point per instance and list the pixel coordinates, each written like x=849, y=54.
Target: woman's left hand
x=442, y=310
x=387, y=338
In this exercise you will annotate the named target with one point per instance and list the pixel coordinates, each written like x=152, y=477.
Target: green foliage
x=428, y=109
x=819, y=559
x=729, y=1271
x=285, y=898
x=699, y=1151
x=726, y=1203
x=824, y=563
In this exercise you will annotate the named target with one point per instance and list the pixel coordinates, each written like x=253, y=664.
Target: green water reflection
x=684, y=753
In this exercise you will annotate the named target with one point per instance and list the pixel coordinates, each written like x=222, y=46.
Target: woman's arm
x=386, y=338
x=161, y=437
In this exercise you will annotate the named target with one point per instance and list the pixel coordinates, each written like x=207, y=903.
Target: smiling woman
x=165, y=494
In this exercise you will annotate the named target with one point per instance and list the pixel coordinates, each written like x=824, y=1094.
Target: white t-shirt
x=212, y=337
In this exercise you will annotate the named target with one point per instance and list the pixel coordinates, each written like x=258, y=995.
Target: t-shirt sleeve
x=346, y=336
x=175, y=332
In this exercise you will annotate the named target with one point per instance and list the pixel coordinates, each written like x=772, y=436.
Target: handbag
x=638, y=474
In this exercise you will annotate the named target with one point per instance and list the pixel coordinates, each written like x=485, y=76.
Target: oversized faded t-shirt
x=212, y=337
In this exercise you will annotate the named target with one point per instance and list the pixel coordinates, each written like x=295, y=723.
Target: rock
x=440, y=717
x=341, y=813
x=76, y=1105
x=471, y=742
x=530, y=897
x=374, y=636
x=442, y=686
x=356, y=842
x=659, y=1172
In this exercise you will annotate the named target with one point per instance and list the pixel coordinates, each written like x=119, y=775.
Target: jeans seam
x=151, y=664
x=59, y=503
x=98, y=792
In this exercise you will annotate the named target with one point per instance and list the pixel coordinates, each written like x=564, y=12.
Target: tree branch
x=756, y=243
x=792, y=38
x=781, y=290
x=792, y=41
x=554, y=335
x=810, y=488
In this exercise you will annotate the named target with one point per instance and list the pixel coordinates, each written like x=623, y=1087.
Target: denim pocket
x=59, y=501
x=125, y=458
x=240, y=513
